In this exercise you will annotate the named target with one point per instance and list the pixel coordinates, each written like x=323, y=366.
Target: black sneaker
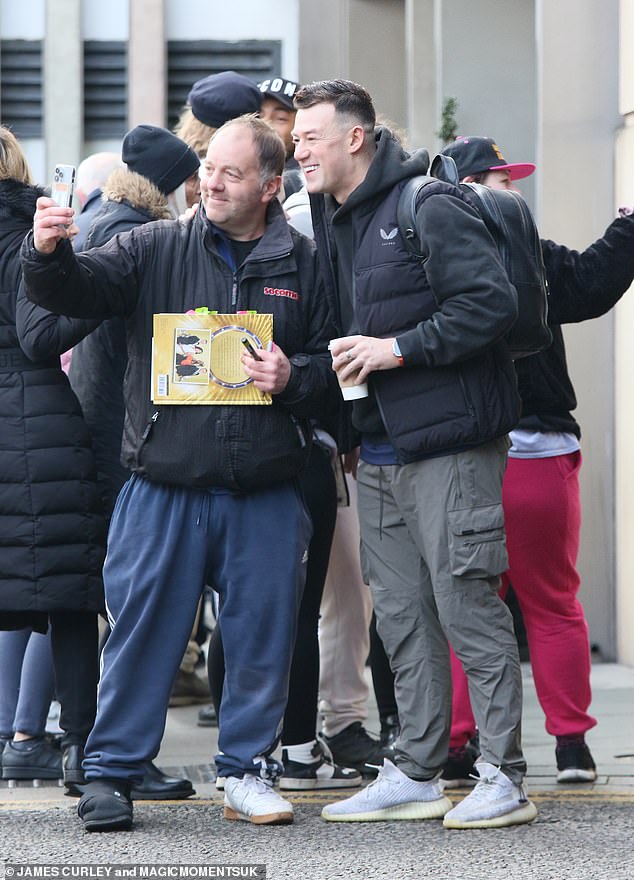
x=354, y=747
x=459, y=771
x=34, y=758
x=207, y=717
x=574, y=761
x=188, y=689
x=321, y=773
x=3, y=741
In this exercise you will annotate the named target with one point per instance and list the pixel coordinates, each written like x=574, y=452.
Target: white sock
x=302, y=753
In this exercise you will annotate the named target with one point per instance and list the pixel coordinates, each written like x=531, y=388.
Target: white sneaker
x=252, y=799
x=392, y=795
x=495, y=802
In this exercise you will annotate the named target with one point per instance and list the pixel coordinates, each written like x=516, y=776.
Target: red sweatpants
x=543, y=517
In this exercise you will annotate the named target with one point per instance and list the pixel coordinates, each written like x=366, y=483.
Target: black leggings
x=300, y=719
x=75, y=659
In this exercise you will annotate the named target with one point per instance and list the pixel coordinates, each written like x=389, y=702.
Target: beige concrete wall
x=63, y=78
x=323, y=40
x=421, y=72
x=487, y=61
x=624, y=360
x=147, y=63
x=362, y=40
x=578, y=112
x=377, y=54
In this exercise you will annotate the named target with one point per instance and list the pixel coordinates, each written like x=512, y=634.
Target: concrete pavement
x=583, y=832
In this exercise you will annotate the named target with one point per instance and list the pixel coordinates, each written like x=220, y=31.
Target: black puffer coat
x=51, y=529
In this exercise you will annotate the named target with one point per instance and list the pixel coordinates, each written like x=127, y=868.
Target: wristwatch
x=396, y=351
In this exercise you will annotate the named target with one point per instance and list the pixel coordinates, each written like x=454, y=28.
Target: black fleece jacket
x=172, y=266
x=582, y=285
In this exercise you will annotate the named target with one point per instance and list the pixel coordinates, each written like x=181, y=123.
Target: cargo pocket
x=477, y=546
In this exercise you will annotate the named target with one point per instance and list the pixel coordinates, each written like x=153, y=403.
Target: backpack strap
x=406, y=211
x=442, y=168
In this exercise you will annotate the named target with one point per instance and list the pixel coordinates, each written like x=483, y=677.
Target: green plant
x=449, y=123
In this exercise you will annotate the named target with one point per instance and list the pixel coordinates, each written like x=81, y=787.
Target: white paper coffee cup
x=350, y=389
x=354, y=392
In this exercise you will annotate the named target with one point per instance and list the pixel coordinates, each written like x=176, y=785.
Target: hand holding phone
x=46, y=232
x=250, y=349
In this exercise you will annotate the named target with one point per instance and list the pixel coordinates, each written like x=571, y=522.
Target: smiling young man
x=428, y=338
x=279, y=111
x=213, y=491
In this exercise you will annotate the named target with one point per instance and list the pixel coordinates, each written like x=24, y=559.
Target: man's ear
x=271, y=188
x=357, y=138
x=470, y=178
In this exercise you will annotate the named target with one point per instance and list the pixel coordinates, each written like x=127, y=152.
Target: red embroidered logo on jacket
x=279, y=291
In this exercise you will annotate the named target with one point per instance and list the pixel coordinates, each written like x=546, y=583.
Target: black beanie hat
x=223, y=96
x=160, y=156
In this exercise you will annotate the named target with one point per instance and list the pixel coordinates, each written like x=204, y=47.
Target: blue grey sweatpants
x=165, y=543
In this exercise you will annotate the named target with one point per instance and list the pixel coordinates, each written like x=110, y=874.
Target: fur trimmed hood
x=17, y=202
x=124, y=185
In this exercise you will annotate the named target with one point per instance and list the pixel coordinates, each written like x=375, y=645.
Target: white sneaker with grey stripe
x=391, y=796
x=495, y=802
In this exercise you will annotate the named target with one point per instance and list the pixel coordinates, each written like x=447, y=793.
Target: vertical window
x=105, y=89
x=21, y=87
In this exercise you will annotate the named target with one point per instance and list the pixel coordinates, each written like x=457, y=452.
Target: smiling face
x=233, y=195
x=279, y=118
x=327, y=147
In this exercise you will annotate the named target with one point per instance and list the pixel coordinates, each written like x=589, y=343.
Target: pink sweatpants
x=543, y=518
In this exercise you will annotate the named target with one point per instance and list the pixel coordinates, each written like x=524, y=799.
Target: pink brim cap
x=517, y=170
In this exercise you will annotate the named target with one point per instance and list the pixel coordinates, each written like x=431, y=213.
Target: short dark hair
x=269, y=146
x=348, y=98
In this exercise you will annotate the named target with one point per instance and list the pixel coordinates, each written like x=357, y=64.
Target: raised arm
x=98, y=284
x=587, y=284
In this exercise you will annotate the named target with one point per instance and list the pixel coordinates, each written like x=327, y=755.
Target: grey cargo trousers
x=433, y=545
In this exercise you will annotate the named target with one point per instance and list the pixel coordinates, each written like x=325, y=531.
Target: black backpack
x=511, y=225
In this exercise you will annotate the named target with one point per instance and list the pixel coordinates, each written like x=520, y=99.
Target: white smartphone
x=63, y=185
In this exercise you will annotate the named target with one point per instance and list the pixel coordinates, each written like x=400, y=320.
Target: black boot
x=34, y=758
x=156, y=786
x=74, y=779
x=105, y=805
